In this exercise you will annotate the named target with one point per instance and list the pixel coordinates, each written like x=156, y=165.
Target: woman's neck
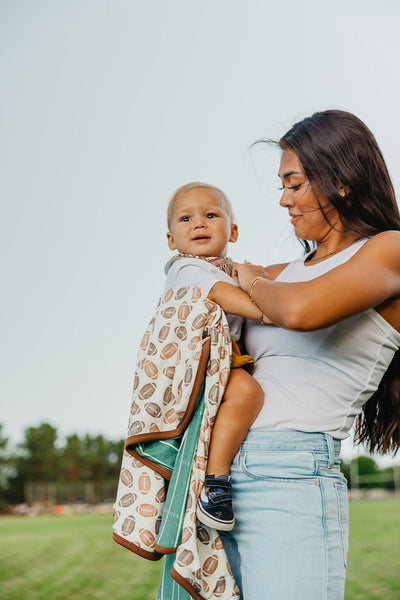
x=328, y=248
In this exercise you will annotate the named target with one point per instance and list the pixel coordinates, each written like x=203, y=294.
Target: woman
x=333, y=357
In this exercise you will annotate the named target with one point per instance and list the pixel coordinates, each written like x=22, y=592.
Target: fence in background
x=377, y=480
x=91, y=492
x=88, y=492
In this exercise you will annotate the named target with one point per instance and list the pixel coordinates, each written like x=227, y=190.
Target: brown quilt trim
x=149, y=463
x=165, y=550
x=136, y=549
x=185, y=584
x=163, y=435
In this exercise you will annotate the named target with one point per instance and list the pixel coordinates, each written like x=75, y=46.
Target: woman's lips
x=294, y=219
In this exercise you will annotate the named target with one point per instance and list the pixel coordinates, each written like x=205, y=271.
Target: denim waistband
x=288, y=440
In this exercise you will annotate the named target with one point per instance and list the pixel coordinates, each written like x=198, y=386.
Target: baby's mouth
x=200, y=238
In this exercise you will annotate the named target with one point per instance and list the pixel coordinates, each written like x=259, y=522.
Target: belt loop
x=331, y=449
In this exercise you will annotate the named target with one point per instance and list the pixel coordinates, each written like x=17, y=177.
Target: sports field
x=74, y=558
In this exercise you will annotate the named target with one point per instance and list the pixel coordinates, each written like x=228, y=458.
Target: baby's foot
x=214, y=506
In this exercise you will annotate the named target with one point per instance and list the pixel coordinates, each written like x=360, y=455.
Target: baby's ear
x=171, y=242
x=234, y=233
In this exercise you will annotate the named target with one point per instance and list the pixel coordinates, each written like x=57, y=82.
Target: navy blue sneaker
x=214, y=506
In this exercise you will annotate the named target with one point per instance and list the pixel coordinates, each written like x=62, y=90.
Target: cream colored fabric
x=165, y=389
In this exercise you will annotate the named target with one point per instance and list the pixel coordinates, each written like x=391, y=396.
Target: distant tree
x=367, y=465
x=4, y=462
x=345, y=468
x=362, y=467
x=98, y=461
x=115, y=457
x=388, y=482
x=40, y=458
x=3, y=448
x=71, y=459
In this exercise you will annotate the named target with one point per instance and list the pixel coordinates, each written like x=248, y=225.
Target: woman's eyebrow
x=289, y=173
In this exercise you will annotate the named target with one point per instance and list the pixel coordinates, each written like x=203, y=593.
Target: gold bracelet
x=252, y=284
x=261, y=318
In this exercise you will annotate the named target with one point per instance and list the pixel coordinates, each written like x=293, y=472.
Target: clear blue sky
x=105, y=109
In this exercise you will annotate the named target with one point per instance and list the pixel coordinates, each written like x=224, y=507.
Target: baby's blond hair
x=222, y=198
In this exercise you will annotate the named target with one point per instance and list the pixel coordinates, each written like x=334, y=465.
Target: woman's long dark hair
x=338, y=151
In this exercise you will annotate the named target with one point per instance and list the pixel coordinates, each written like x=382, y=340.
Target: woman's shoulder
x=392, y=236
x=384, y=246
x=275, y=270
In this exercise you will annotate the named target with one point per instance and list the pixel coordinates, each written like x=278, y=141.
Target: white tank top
x=319, y=380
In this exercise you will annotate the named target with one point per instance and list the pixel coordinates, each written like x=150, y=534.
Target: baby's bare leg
x=242, y=401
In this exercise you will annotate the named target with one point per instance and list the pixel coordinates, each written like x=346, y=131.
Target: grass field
x=74, y=558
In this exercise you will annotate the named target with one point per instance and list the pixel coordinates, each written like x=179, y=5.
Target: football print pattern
x=166, y=383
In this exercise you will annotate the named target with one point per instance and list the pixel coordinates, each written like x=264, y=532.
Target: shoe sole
x=212, y=522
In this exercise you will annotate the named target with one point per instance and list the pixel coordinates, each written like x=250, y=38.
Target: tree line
x=42, y=458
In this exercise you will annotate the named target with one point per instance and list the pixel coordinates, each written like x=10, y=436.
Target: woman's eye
x=291, y=187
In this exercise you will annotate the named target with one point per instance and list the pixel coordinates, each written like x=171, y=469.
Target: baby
x=200, y=225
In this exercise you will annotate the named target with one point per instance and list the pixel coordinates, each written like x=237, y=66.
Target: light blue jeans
x=291, y=507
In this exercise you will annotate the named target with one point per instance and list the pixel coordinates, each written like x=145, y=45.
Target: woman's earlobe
x=343, y=190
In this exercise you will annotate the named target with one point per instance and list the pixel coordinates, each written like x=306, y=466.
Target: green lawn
x=74, y=558
x=70, y=558
x=374, y=556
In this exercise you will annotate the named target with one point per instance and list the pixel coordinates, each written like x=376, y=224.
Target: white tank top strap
x=299, y=271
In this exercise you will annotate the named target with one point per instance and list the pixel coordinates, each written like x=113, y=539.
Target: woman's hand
x=369, y=279
x=245, y=273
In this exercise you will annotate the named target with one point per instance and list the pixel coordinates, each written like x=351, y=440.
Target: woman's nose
x=285, y=199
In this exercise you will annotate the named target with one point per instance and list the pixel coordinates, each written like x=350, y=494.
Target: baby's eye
x=211, y=215
x=185, y=219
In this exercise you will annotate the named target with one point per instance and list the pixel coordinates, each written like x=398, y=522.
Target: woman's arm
x=368, y=279
x=199, y=273
x=235, y=301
